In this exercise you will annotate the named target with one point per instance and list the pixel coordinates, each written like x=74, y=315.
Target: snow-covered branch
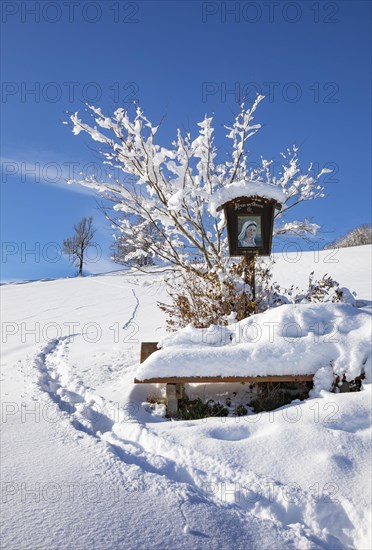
x=172, y=188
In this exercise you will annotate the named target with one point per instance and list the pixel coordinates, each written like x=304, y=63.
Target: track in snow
x=134, y=443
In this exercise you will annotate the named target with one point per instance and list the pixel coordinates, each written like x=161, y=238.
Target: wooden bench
x=175, y=385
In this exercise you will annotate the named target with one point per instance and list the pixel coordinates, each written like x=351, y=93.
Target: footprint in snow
x=230, y=434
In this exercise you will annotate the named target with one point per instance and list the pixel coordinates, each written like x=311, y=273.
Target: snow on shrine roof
x=291, y=339
x=245, y=189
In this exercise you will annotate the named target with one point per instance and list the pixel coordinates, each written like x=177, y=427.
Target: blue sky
x=179, y=59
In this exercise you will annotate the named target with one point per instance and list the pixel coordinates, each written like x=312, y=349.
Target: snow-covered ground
x=85, y=465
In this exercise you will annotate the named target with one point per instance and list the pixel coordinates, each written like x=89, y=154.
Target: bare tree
x=75, y=247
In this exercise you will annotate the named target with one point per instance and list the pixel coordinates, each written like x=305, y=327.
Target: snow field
x=86, y=465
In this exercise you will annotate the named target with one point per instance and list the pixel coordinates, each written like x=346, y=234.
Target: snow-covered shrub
x=208, y=299
x=343, y=385
x=196, y=409
x=321, y=290
x=240, y=410
x=272, y=395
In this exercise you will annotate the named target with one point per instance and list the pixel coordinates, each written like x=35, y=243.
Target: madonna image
x=249, y=231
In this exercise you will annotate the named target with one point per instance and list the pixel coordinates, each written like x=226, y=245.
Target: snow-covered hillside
x=87, y=466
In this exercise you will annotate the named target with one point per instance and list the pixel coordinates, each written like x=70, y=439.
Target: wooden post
x=249, y=276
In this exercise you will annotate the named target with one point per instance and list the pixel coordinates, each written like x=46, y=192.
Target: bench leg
x=172, y=401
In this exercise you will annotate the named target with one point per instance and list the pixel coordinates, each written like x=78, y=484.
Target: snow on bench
x=148, y=348
x=175, y=384
x=291, y=343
